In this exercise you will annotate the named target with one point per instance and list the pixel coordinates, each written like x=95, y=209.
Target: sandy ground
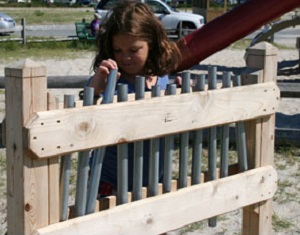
x=230, y=224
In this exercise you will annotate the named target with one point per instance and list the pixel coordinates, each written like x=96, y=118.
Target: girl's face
x=130, y=53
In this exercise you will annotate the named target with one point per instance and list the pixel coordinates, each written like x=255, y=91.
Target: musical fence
x=42, y=138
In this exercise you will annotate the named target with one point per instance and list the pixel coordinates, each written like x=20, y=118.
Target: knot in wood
x=27, y=207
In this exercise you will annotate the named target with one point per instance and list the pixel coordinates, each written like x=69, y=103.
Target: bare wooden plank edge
x=153, y=215
x=52, y=133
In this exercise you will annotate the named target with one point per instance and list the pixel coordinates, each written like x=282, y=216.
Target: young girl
x=134, y=42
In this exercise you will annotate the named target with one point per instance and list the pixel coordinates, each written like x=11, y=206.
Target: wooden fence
x=39, y=134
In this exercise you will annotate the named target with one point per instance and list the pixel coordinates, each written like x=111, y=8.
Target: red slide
x=230, y=27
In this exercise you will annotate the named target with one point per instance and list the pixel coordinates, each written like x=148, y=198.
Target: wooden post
x=27, y=178
x=298, y=48
x=23, y=32
x=257, y=218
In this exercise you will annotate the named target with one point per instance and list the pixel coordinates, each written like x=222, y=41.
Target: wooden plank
x=87, y=127
x=14, y=162
x=53, y=177
x=250, y=220
x=258, y=218
x=153, y=215
x=27, y=179
x=267, y=158
x=35, y=172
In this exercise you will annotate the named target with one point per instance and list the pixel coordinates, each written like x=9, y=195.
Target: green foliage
x=9, y=46
x=241, y=44
x=216, y=5
x=12, y=50
x=192, y=227
x=39, y=13
x=280, y=224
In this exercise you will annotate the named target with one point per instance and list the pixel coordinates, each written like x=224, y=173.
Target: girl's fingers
x=178, y=81
x=105, y=67
x=100, y=77
x=110, y=64
x=119, y=75
x=103, y=71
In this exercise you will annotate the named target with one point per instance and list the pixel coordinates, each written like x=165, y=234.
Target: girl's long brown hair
x=136, y=19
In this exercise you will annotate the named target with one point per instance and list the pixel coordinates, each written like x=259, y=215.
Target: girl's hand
x=178, y=82
x=99, y=79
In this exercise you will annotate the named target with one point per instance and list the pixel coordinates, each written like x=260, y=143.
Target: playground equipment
x=268, y=33
x=37, y=140
x=230, y=27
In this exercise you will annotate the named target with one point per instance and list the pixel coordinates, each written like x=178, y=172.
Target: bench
x=82, y=32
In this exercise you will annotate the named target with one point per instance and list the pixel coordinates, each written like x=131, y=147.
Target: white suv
x=172, y=20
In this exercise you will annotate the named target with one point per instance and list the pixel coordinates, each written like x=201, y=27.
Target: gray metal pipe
x=122, y=189
x=184, y=137
x=98, y=157
x=198, y=139
x=154, y=156
x=212, y=140
x=138, y=147
x=241, y=136
x=83, y=165
x=169, y=150
x=226, y=82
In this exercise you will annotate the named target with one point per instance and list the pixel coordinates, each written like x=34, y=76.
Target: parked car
x=7, y=23
x=170, y=18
